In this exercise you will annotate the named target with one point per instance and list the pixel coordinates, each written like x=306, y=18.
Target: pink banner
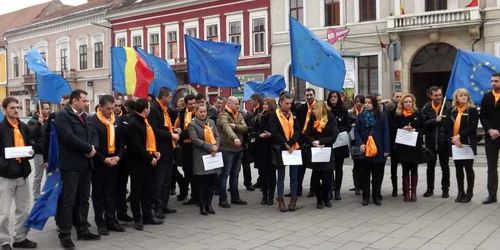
x=335, y=34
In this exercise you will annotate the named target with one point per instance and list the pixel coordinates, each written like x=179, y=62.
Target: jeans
x=37, y=181
x=232, y=167
x=293, y=180
x=17, y=191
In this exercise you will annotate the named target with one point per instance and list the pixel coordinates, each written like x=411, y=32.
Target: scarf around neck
x=458, y=120
x=18, y=137
x=287, y=126
x=369, y=118
x=110, y=128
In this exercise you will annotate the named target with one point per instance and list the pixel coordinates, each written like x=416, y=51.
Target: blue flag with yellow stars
x=271, y=87
x=1, y=115
x=164, y=76
x=472, y=71
x=212, y=63
x=50, y=86
x=314, y=60
x=46, y=204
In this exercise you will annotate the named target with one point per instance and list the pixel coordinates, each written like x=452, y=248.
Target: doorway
x=431, y=66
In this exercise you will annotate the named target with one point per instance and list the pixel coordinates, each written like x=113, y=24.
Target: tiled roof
x=75, y=9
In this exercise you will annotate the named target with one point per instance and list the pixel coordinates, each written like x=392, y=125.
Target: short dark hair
x=76, y=94
x=310, y=89
x=396, y=91
x=360, y=98
x=130, y=104
x=106, y=99
x=497, y=74
x=189, y=98
x=141, y=105
x=41, y=105
x=65, y=97
x=433, y=89
x=164, y=92
x=256, y=97
x=219, y=98
x=8, y=100
x=199, y=96
x=285, y=96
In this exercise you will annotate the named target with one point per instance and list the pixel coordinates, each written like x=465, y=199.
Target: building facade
x=159, y=28
x=430, y=32
x=74, y=42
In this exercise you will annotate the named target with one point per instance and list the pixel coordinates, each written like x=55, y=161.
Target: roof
x=75, y=9
x=23, y=17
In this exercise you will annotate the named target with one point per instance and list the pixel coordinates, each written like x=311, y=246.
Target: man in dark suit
x=78, y=143
x=166, y=138
x=105, y=174
x=185, y=117
x=490, y=119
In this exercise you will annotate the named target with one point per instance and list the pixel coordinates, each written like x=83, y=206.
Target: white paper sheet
x=17, y=152
x=212, y=162
x=342, y=140
x=463, y=153
x=295, y=158
x=406, y=137
x=321, y=154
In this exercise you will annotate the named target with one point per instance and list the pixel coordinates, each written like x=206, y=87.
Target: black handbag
x=276, y=158
x=356, y=153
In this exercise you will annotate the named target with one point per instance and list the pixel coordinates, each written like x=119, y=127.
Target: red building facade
x=159, y=27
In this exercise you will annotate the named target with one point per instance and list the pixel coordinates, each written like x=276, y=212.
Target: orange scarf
x=436, y=108
x=188, y=117
x=120, y=114
x=456, y=125
x=150, y=137
x=176, y=123
x=166, y=120
x=407, y=112
x=110, y=127
x=356, y=111
x=256, y=109
x=319, y=125
x=496, y=95
x=18, y=137
x=310, y=108
x=287, y=126
x=209, y=135
x=230, y=111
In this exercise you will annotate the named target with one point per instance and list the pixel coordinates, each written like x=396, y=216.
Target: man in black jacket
x=78, y=143
x=436, y=140
x=46, y=142
x=166, y=138
x=13, y=174
x=490, y=119
x=109, y=128
x=37, y=133
x=212, y=112
x=185, y=117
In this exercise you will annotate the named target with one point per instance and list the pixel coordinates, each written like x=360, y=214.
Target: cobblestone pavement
x=429, y=223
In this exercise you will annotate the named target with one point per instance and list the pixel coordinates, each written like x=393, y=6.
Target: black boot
x=394, y=181
x=338, y=185
x=357, y=182
x=326, y=199
x=202, y=200
x=210, y=197
x=319, y=198
x=470, y=188
x=264, y=200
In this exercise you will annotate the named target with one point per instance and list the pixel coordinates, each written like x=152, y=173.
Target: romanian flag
x=473, y=3
x=131, y=75
x=402, y=11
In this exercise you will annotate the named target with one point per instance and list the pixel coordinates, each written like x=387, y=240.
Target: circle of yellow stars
x=319, y=56
x=479, y=65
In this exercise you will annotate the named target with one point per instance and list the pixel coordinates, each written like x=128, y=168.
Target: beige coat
x=227, y=134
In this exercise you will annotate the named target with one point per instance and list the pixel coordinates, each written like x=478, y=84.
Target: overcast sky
x=20, y=4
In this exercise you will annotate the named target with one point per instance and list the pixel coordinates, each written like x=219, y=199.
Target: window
x=332, y=12
x=137, y=41
x=154, y=44
x=98, y=56
x=26, y=68
x=192, y=32
x=432, y=5
x=64, y=59
x=259, y=35
x=212, y=33
x=297, y=10
x=120, y=42
x=367, y=10
x=235, y=32
x=83, y=56
x=44, y=56
x=172, y=45
x=368, y=75
x=298, y=84
x=15, y=63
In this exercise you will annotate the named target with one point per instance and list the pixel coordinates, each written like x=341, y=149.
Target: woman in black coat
x=343, y=123
x=321, y=132
x=263, y=142
x=462, y=131
x=359, y=101
x=408, y=118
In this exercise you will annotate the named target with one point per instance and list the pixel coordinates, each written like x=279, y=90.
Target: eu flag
x=163, y=74
x=212, y=63
x=472, y=71
x=314, y=60
x=1, y=115
x=50, y=86
x=46, y=204
x=271, y=87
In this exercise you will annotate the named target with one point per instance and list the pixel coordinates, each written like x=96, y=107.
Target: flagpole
x=442, y=106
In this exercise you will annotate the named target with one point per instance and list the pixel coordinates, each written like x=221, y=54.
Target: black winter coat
x=102, y=134
x=408, y=153
x=11, y=168
x=262, y=147
x=341, y=114
x=162, y=133
x=37, y=134
x=468, y=127
x=138, y=158
x=326, y=137
x=436, y=137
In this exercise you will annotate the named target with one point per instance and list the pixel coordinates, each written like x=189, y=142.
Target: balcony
x=69, y=75
x=434, y=19
x=29, y=79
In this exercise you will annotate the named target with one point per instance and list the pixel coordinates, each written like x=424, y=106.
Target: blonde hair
x=197, y=107
x=321, y=111
x=399, y=110
x=463, y=92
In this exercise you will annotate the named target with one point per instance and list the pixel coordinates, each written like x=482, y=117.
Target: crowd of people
x=146, y=140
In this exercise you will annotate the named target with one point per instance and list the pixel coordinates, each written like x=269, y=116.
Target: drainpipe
x=481, y=31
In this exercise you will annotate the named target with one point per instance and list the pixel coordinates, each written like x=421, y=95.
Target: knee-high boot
x=470, y=188
x=406, y=188
x=201, y=195
x=414, y=182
